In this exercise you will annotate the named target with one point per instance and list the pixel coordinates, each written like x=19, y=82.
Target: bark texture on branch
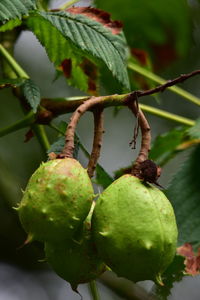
x=57, y=107
x=70, y=132
x=132, y=103
x=97, y=141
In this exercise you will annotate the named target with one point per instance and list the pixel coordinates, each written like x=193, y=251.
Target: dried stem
x=145, y=130
x=97, y=141
x=146, y=138
x=69, y=136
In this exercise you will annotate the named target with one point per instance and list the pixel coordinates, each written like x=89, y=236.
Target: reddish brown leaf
x=91, y=71
x=141, y=81
x=192, y=260
x=66, y=67
x=164, y=54
x=88, y=68
x=141, y=55
x=92, y=87
x=98, y=15
x=28, y=136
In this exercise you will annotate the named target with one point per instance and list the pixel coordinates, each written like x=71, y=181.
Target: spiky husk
x=76, y=260
x=56, y=201
x=134, y=229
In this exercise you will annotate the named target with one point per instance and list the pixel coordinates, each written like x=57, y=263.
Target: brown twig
x=112, y=100
x=61, y=107
x=69, y=136
x=97, y=141
x=145, y=130
x=137, y=125
x=143, y=168
x=169, y=83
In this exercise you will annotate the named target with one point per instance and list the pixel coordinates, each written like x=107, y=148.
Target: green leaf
x=32, y=94
x=89, y=35
x=57, y=146
x=43, y=3
x=10, y=25
x=88, y=38
x=25, y=122
x=8, y=82
x=102, y=177
x=153, y=24
x=164, y=146
x=12, y=9
x=56, y=45
x=184, y=194
x=59, y=50
x=174, y=273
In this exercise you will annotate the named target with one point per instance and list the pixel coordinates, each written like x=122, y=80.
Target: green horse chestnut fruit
x=134, y=229
x=56, y=201
x=76, y=260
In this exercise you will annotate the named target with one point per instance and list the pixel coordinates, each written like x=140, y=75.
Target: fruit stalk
x=132, y=103
x=97, y=141
x=70, y=132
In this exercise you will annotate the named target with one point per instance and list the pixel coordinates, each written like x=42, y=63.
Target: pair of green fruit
x=132, y=228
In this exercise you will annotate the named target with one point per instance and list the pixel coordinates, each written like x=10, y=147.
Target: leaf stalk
x=93, y=290
x=13, y=63
x=26, y=121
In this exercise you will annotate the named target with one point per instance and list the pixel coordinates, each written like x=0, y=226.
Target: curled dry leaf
x=192, y=260
x=98, y=15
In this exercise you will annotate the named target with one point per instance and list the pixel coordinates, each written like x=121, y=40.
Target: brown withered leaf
x=164, y=54
x=91, y=71
x=100, y=16
x=28, y=136
x=141, y=55
x=66, y=67
x=192, y=260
